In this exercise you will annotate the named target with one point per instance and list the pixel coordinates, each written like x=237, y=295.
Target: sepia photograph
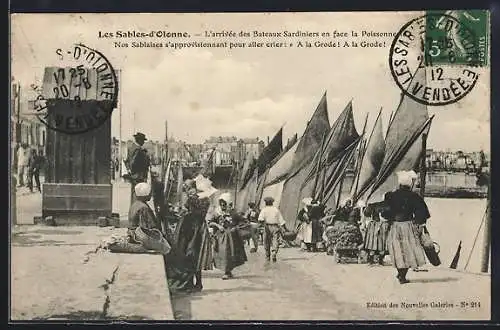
x=292, y=166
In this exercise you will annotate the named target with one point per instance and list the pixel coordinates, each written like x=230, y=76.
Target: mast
x=340, y=191
x=361, y=154
x=391, y=117
x=485, y=255
x=318, y=164
x=423, y=165
x=235, y=178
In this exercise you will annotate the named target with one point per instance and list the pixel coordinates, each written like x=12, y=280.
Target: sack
x=152, y=239
x=431, y=248
x=289, y=235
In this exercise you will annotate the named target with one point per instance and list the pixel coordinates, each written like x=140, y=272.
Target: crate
x=346, y=255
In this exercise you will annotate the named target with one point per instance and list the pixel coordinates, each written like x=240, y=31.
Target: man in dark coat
x=34, y=165
x=137, y=162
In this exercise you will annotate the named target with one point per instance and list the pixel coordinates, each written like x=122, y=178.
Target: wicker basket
x=289, y=235
x=152, y=239
x=245, y=231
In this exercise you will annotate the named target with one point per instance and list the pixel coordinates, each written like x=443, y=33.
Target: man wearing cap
x=270, y=216
x=140, y=214
x=137, y=162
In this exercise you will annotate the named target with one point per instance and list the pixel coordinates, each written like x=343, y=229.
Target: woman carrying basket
x=228, y=247
x=406, y=210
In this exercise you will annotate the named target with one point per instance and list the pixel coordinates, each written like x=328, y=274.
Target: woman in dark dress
x=405, y=210
x=228, y=247
x=377, y=229
x=191, y=251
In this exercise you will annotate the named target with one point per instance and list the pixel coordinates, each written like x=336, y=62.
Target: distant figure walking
x=137, y=163
x=34, y=165
x=22, y=163
x=310, y=230
x=252, y=216
x=273, y=222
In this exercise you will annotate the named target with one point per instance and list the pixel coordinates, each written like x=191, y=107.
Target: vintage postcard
x=250, y=166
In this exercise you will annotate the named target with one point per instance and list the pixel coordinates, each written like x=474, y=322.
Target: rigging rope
x=475, y=239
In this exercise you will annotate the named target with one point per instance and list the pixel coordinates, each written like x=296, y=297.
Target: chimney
x=268, y=139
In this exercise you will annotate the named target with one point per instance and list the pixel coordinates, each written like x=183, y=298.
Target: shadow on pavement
x=181, y=302
x=56, y=232
x=30, y=240
x=287, y=259
x=434, y=280
x=89, y=315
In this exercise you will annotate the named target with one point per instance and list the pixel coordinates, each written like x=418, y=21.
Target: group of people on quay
x=206, y=231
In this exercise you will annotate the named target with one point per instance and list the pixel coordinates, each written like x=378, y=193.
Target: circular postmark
x=434, y=59
x=80, y=94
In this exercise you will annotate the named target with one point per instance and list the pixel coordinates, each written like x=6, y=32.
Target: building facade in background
x=456, y=161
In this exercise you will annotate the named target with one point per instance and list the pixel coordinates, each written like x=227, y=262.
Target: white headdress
x=405, y=178
x=226, y=197
x=204, y=185
x=344, y=201
x=307, y=201
x=142, y=189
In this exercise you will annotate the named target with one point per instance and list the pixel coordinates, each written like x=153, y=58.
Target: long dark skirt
x=191, y=253
x=229, y=249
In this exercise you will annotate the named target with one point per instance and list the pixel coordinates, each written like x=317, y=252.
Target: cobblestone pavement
x=311, y=286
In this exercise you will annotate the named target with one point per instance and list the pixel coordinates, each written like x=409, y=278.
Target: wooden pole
x=423, y=165
x=318, y=165
x=359, y=160
x=340, y=191
x=120, y=153
x=236, y=174
x=485, y=255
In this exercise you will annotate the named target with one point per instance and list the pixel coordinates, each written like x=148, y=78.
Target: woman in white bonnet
x=405, y=210
x=228, y=247
x=140, y=214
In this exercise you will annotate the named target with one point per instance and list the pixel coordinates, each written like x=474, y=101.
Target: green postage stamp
x=458, y=37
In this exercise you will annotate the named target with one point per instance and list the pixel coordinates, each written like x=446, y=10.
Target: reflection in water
x=451, y=180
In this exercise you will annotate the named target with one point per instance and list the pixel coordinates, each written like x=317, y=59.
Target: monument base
x=76, y=204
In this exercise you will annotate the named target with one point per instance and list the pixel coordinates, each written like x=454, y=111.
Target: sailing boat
x=404, y=143
x=302, y=158
x=255, y=170
x=372, y=154
x=331, y=161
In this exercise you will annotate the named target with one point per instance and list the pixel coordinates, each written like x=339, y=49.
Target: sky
x=205, y=92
